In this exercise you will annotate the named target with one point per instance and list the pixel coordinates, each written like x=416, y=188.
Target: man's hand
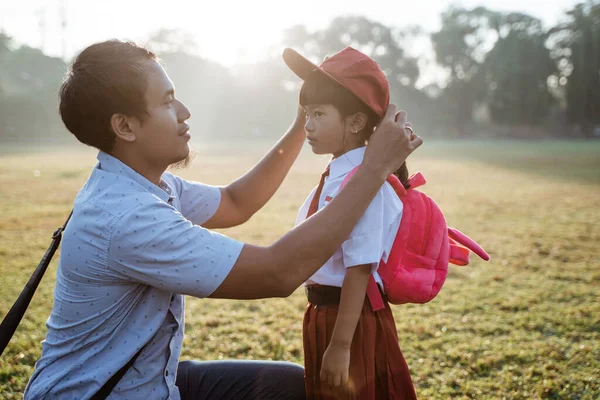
x=391, y=143
x=336, y=365
x=300, y=121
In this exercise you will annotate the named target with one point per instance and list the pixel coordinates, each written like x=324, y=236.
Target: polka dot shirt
x=129, y=253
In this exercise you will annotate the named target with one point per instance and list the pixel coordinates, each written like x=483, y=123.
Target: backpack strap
x=397, y=185
x=15, y=315
x=457, y=237
x=374, y=295
x=348, y=176
x=107, y=388
x=417, y=179
x=458, y=255
x=392, y=180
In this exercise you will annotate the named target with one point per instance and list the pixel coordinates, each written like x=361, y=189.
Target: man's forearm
x=277, y=270
x=254, y=189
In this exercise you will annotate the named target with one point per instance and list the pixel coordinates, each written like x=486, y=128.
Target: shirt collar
x=116, y=166
x=346, y=162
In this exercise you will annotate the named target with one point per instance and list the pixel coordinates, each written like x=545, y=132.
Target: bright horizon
x=258, y=24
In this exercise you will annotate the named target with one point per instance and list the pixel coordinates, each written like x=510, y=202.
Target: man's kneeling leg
x=261, y=380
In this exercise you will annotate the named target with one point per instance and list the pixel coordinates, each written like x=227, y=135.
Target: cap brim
x=299, y=64
x=303, y=68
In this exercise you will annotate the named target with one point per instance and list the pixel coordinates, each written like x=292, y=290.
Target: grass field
x=526, y=325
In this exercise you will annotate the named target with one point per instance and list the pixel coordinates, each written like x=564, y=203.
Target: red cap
x=355, y=71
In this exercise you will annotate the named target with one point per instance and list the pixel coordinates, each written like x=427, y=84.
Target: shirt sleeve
x=199, y=202
x=157, y=246
x=368, y=242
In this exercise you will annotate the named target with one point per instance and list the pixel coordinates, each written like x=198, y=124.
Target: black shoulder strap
x=105, y=390
x=14, y=316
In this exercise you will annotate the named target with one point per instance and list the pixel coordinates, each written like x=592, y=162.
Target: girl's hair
x=320, y=89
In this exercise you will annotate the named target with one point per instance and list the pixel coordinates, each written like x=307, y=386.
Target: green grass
x=526, y=325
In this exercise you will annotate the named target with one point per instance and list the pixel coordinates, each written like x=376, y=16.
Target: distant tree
x=578, y=50
x=517, y=69
x=459, y=48
x=28, y=101
x=5, y=41
x=29, y=71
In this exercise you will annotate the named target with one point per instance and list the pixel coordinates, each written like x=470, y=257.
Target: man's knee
x=257, y=379
x=282, y=380
x=285, y=369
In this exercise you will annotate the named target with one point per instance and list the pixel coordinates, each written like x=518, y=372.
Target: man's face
x=162, y=138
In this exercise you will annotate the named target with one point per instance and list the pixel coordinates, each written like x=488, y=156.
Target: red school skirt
x=378, y=370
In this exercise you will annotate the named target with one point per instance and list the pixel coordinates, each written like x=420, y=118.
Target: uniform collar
x=346, y=162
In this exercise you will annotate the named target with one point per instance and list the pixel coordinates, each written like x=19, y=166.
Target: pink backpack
x=417, y=264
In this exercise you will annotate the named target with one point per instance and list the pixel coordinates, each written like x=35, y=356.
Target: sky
x=258, y=23
x=226, y=31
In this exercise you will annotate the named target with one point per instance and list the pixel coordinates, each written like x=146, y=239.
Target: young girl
x=350, y=351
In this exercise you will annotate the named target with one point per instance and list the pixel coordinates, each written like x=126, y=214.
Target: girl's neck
x=346, y=149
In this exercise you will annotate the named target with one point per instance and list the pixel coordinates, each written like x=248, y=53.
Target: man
x=138, y=240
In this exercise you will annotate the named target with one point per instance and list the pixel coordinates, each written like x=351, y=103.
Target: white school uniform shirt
x=373, y=236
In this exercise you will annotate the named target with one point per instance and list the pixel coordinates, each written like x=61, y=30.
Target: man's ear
x=357, y=122
x=124, y=127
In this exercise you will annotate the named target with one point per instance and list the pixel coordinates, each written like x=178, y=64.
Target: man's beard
x=183, y=164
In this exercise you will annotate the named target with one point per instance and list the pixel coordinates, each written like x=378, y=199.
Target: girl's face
x=327, y=131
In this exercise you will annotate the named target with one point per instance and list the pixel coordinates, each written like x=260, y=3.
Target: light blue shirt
x=129, y=253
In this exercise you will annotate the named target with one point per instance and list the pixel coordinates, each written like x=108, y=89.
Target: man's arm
x=248, y=194
x=277, y=270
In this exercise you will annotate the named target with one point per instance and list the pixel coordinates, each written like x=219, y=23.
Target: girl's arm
x=248, y=194
x=336, y=360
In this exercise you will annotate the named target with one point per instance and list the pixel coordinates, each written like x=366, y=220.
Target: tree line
x=504, y=75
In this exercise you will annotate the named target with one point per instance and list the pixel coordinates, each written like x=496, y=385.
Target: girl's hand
x=336, y=364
